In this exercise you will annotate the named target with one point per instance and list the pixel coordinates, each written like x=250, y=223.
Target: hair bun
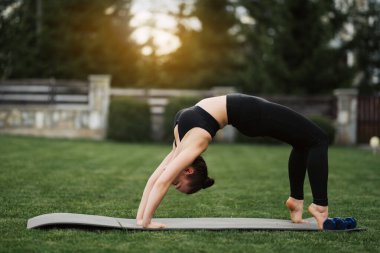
x=208, y=183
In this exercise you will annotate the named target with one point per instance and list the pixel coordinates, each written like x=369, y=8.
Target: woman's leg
x=257, y=117
x=317, y=169
x=315, y=159
x=297, y=170
x=285, y=124
x=317, y=165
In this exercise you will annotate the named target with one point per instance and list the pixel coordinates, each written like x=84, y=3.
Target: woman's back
x=216, y=107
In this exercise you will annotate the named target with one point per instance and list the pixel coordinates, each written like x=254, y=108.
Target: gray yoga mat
x=95, y=221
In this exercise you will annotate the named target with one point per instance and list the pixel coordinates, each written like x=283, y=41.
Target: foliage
x=175, y=104
x=70, y=40
x=209, y=57
x=129, y=120
x=288, y=47
x=366, y=45
x=326, y=124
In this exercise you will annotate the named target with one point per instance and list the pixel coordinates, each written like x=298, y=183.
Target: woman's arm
x=150, y=183
x=161, y=186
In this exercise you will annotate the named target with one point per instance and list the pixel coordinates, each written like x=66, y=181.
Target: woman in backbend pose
x=195, y=127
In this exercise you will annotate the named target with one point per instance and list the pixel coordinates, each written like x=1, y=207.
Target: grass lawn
x=42, y=176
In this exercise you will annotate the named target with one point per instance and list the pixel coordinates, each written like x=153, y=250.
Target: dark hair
x=199, y=179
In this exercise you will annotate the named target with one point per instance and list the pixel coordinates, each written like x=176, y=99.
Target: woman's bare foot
x=295, y=207
x=320, y=213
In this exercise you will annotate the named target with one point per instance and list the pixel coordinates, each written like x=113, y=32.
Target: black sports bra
x=195, y=116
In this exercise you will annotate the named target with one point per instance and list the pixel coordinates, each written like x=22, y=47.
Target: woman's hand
x=139, y=222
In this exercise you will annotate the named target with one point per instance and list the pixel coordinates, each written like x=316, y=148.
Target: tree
x=289, y=50
x=180, y=67
x=75, y=39
x=364, y=16
x=207, y=57
x=18, y=38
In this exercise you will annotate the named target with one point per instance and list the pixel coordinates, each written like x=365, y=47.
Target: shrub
x=326, y=125
x=174, y=105
x=129, y=120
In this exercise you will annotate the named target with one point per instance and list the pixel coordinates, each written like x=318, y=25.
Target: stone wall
x=49, y=121
x=60, y=120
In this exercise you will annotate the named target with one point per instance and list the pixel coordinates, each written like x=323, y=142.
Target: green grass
x=43, y=175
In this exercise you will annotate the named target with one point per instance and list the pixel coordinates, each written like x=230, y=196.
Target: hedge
x=129, y=120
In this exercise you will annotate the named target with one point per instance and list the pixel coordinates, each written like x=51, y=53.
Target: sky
x=151, y=20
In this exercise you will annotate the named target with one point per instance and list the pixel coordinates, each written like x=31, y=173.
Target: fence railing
x=43, y=91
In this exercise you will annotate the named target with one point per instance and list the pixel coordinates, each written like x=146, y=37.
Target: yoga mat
x=104, y=222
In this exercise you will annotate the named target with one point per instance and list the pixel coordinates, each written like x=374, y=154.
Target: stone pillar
x=346, y=122
x=99, y=102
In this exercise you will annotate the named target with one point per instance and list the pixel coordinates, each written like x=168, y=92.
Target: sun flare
x=155, y=32
x=163, y=42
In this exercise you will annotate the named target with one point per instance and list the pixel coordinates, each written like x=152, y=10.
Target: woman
x=195, y=127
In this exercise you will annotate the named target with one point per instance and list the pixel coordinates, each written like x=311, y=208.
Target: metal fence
x=368, y=118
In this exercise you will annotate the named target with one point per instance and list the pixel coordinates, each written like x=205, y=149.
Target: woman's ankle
x=319, y=207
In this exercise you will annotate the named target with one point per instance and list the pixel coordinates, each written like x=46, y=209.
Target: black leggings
x=255, y=116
